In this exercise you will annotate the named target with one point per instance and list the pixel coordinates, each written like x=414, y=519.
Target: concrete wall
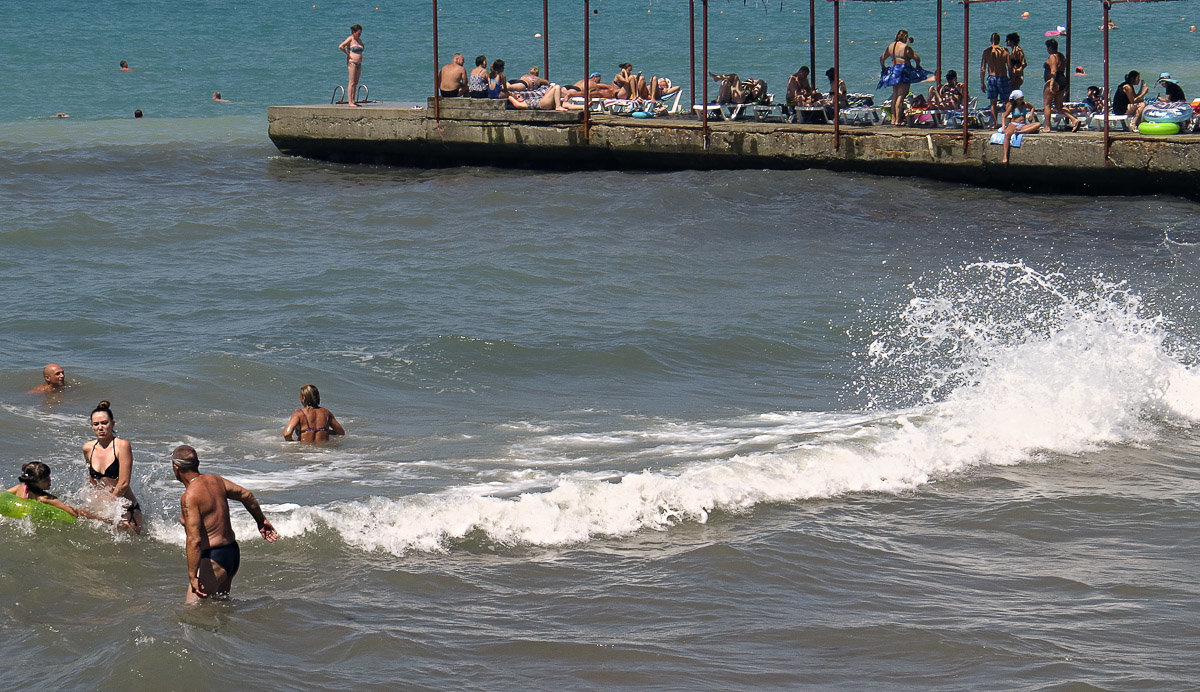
x=472, y=132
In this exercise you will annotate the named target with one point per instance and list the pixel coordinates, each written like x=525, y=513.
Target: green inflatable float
x=19, y=508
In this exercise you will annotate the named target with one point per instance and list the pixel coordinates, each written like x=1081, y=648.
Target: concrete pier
x=482, y=132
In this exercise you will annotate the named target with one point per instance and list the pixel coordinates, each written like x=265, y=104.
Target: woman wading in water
x=312, y=423
x=110, y=464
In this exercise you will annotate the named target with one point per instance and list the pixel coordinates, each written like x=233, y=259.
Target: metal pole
x=692, y=48
x=704, y=111
x=1107, y=101
x=966, y=78
x=837, y=63
x=1070, y=33
x=938, y=76
x=587, y=81
x=812, y=39
x=437, y=92
x=546, y=39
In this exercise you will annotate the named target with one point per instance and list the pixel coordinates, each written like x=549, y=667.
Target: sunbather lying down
x=554, y=98
x=736, y=90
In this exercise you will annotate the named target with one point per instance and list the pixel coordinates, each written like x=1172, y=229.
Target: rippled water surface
x=606, y=430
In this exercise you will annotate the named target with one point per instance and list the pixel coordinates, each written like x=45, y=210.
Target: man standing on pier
x=993, y=74
x=452, y=78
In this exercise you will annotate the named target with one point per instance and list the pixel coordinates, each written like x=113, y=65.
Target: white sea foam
x=1008, y=364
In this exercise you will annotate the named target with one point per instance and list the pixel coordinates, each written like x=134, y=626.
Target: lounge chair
x=764, y=113
x=1115, y=122
x=597, y=103
x=860, y=115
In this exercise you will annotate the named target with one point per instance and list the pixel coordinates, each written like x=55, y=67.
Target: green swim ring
x=19, y=508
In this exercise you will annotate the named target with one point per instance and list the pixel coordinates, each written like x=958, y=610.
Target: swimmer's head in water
x=34, y=472
x=309, y=396
x=184, y=458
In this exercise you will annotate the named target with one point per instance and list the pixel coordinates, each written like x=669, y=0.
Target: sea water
x=606, y=430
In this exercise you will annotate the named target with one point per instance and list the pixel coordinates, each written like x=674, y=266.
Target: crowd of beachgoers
x=1001, y=81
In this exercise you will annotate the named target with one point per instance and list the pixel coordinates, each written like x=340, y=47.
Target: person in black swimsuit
x=312, y=423
x=110, y=464
x=1054, y=72
x=1130, y=100
x=213, y=555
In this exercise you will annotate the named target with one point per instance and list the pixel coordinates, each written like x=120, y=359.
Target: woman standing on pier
x=897, y=71
x=353, y=48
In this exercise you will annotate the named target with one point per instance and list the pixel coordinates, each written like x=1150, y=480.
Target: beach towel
x=998, y=138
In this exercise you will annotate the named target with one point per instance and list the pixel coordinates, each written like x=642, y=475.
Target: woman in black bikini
x=1054, y=71
x=110, y=464
x=312, y=423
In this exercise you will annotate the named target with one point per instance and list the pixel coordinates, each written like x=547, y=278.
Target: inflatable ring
x=1175, y=113
x=19, y=508
x=1158, y=128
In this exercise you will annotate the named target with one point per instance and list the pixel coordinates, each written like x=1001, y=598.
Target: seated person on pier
x=1095, y=99
x=627, y=84
x=533, y=80
x=477, y=80
x=841, y=90
x=1128, y=102
x=731, y=89
x=596, y=88
x=452, y=78
x=1016, y=120
x=800, y=91
x=659, y=88
x=948, y=96
x=498, y=84
x=554, y=98
x=1174, y=92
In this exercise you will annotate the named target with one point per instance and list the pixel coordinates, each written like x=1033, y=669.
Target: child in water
x=35, y=481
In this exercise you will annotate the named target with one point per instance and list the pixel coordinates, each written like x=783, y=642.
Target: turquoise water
x=63, y=57
x=793, y=430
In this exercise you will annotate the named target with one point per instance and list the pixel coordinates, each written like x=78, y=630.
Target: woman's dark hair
x=951, y=74
x=105, y=407
x=481, y=61
x=498, y=67
x=1052, y=44
x=1013, y=38
x=34, y=472
x=625, y=66
x=355, y=27
x=1132, y=76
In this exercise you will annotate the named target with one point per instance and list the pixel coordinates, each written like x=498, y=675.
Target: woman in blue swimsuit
x=312, y=423
x=110, y=464
x=353, y=48
x=1014, y=122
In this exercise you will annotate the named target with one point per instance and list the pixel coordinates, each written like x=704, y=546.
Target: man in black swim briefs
x=213, y=555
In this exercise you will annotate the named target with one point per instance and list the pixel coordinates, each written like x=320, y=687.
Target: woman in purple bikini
x=312, y=423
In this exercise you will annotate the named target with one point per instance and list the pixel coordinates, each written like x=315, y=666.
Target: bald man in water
x=213, y=555
x=55, y=380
